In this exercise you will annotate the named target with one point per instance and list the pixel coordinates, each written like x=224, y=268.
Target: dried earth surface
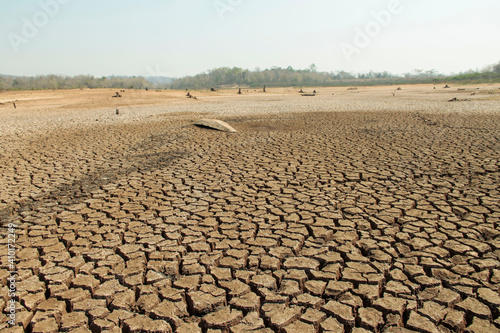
x=350, y=211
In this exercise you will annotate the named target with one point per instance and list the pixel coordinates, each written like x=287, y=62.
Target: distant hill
x=160, y=80
x=156, y=81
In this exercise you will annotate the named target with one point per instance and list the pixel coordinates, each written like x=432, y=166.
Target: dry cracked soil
x=367, y=219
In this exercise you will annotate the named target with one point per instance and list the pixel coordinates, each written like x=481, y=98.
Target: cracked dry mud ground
x=320, y=222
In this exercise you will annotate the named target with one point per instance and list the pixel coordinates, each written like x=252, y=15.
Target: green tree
x=496, y=68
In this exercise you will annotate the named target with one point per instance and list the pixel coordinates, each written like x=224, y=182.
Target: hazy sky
x=177, y=38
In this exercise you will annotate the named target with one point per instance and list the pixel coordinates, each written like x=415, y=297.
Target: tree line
x=225, y=77
x=43, y=82
x=286, y=77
